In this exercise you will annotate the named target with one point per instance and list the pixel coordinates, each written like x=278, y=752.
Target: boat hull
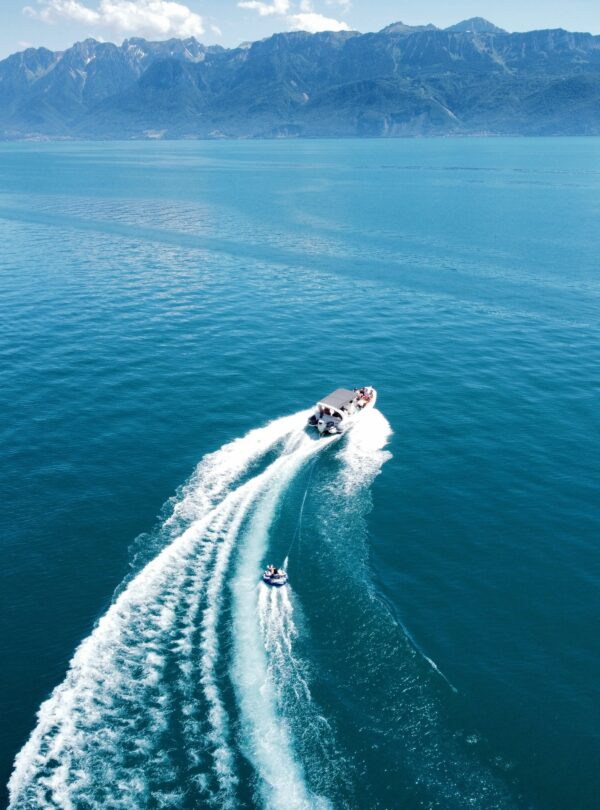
x=329, y=427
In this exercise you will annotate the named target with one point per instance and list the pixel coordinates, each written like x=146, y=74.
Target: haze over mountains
x=470, y=79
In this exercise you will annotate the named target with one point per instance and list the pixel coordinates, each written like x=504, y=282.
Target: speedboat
x=275, y=576
x=340, y=410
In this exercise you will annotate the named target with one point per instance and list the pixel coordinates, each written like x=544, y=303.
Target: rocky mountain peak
x=476, y=25
x=401, y=28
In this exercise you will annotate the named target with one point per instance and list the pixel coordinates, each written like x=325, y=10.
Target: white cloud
x=306, y=19
x=313, y=22
x=266, y=9
x=53, y=10
x=160, y=18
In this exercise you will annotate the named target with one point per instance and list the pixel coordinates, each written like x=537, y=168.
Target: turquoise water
x=438, y=644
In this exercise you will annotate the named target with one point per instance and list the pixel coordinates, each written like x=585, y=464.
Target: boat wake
x=144, y=715
x=195, y=688
x=381, y=674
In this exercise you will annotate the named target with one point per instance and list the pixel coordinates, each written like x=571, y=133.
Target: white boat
x=339, y=410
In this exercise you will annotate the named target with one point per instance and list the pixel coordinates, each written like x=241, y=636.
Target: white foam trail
x=275, y=611
x=267, y=737
x=363, y=452
x=113, y=705
x=364, y=456
x=222, y=756
x=245, y=496
x=197, y=739
x=218, y=471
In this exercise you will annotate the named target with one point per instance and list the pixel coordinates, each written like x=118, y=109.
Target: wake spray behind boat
x=275, y=576
x=340, y=410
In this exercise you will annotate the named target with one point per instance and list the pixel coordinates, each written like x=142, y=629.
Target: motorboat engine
x=326, y=425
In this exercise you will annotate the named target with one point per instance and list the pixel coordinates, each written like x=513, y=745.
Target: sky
x=56, y=24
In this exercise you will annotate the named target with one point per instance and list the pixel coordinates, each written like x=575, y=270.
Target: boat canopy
x=337, y=399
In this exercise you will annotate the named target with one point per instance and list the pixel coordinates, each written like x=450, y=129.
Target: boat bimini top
x=337, y=402
x=336, y=412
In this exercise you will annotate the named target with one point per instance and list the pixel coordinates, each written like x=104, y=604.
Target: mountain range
x=470, y=79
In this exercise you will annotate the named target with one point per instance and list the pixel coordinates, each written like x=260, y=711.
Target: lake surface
x=438, y=644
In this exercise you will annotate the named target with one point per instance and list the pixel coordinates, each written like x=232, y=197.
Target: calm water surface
x=439, y=645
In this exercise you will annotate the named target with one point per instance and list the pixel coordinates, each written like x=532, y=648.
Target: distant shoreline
x=237, y=139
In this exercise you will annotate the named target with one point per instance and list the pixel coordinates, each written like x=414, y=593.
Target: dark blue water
x=438, y=646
